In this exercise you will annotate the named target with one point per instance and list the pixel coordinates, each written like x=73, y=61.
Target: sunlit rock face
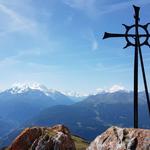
x=122, y=139
x=38, y=138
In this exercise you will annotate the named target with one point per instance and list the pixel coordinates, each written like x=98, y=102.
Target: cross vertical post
x=137, y=9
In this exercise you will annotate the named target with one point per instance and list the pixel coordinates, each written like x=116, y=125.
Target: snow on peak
x=113, y=89
x=28, y=85
x=24, y=87
x=74, y=94
x=116, y=88
x=100, y=90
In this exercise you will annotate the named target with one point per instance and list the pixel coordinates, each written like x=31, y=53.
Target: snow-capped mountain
x=75, y=96
x=26, y=88
x=21, y=88
x=23, y=101
x=113, y=89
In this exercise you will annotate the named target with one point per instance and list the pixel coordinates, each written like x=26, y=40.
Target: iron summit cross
x=137, y=44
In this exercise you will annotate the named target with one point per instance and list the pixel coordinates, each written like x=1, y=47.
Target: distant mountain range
x=20, y=103
x=31, y=106
x=93, y=115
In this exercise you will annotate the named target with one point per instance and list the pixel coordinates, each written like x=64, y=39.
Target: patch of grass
x=80, y=143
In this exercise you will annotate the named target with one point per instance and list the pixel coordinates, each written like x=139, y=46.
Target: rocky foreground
x=55, y=138
x=60, y=138
x=122, y=139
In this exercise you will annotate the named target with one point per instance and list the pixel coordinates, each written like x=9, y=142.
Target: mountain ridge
x=96, y=113
x=23, y=87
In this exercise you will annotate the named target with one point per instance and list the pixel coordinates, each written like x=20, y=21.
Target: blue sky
x=59, y=43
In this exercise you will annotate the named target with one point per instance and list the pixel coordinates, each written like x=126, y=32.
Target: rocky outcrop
x=55, y=138
x=122, y=139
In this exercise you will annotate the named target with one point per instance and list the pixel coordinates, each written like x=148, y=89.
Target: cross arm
x=115, y=35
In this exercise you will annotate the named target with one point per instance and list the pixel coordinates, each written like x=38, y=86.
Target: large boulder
x=116, y=138
x=37, y=138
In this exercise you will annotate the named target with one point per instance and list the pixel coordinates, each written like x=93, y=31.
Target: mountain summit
x=21, y=88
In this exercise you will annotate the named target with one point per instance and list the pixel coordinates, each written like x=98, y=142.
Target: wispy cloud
x=96, y=8
x=114, y=68
x=122, y=5
x=80, y=4
x=95, y=45
x=22, y=54
x=87, y=6
x=15, y=21
x=15, y=62
x=91, y=38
